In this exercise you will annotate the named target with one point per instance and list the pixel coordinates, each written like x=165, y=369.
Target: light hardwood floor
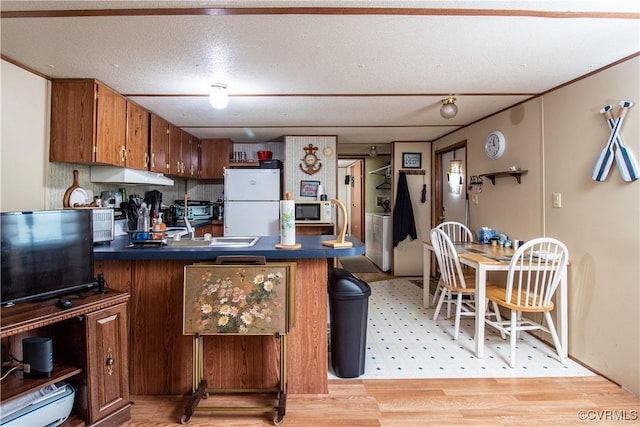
x=424, y=402
x=488, y=402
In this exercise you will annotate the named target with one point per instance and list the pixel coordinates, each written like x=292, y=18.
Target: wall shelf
x=516, y=174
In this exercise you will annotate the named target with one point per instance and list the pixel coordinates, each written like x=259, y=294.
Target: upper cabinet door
x=159, y=145
x=137, y=137
x=195, y=158
x=111, y=127
x=73, y=121
x=175, y=151
x=214, y=157
x=186, y=167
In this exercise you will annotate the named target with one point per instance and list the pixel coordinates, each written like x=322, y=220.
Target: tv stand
x=90, y=350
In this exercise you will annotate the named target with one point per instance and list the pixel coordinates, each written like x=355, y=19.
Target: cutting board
x=75, y=195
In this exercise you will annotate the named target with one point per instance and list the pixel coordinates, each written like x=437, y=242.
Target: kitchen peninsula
x=161, y=356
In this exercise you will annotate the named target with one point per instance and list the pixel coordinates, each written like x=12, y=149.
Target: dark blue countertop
x=312, y=247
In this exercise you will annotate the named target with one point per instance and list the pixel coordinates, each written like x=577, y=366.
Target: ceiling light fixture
x=449, y=108
x=372, y=151
x=218, y=96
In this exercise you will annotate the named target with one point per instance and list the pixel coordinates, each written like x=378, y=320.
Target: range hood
x=116, y=175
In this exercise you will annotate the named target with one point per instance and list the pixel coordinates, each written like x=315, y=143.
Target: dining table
x=485, y=258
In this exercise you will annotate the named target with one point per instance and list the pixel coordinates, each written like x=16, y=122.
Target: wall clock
x=495, y=144
x=310, y=160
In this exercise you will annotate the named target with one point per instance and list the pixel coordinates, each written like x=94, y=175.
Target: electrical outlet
x=474, y=199
x=557, y=200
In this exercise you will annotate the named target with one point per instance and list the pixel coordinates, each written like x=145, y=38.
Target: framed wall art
x=412, y=160
x=309, y=188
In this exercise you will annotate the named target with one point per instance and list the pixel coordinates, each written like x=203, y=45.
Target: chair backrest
x=535, y=272
x=457, y=231
x=448, y=261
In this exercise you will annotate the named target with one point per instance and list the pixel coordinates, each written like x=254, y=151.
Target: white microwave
x=311, y=211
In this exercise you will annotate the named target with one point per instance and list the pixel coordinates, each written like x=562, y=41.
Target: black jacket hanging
x=404, y=223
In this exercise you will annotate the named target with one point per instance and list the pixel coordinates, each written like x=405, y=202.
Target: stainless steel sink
x=218, y=242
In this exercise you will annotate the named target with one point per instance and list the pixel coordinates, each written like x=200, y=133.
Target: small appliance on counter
x=120, y=222
x=103, y=225
x=111, y=199
x=196, y=210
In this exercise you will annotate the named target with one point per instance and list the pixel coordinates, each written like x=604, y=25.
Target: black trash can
x=348, y=307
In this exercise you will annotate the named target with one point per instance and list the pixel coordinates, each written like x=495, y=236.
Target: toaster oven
x=195, y=210
x=103, y=225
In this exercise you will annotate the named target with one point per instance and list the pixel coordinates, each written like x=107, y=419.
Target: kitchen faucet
x=190, y=230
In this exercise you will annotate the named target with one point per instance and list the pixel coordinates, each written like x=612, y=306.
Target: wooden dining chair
x=534, y=274
x=457, y=232
x=454, y=283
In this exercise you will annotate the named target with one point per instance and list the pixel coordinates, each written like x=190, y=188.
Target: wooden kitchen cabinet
x=91, y=123
x=88, y=122
x=159, y=144
x=175, y=151
x=214, y=157
x=137, y=137
x=183, y=153
x=190, y=155
x=107, y=361
x=90, y=351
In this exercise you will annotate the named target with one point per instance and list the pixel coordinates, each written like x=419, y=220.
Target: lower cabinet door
x=107, y=362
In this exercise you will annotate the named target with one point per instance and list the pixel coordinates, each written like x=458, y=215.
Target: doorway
x=351, y=194
x=450, y=187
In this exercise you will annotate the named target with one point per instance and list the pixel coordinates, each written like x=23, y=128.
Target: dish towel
x=404, y=223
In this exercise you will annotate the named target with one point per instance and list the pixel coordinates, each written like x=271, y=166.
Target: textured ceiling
x=369, y=76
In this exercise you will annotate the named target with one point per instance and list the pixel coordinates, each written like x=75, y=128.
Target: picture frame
x=309, y=188
x=411, y=160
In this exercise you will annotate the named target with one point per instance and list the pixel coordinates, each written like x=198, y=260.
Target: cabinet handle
x=146, y=159
x=123, y=153
x=110, y=361
x=153, y=160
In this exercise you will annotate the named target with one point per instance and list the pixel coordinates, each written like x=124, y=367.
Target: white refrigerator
x=252, y=202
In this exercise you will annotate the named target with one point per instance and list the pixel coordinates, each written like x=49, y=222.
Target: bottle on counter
x=159, y=228
x=143, y=218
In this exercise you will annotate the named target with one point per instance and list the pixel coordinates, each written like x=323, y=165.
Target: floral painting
x=236, y=299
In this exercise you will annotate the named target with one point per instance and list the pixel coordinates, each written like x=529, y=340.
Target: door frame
x=437, y=181
x=357, y=181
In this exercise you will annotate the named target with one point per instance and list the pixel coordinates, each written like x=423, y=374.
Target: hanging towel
x=404, y=224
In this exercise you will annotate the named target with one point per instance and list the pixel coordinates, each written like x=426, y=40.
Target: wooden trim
x=577, y=79
x=317, y=11
x=436, y=191
x=330, y=95
x=24, y=67
x=32, y=315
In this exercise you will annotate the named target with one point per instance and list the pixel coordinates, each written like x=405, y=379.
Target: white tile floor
x=404, y=342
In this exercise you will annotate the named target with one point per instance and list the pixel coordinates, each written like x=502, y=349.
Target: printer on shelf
x=49, y=406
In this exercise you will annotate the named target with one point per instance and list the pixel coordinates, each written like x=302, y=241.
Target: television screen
x=45, y=253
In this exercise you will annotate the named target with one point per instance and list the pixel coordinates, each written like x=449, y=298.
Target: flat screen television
x=45, y=254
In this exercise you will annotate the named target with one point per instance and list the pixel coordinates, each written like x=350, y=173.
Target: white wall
x=294, y=152
x=407, y=256
x=557, y=138
x=24, y=143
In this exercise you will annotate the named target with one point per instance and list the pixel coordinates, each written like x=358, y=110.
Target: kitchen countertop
x=312, y=247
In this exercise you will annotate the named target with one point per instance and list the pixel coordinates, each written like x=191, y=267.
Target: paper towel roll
x=287, y=222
